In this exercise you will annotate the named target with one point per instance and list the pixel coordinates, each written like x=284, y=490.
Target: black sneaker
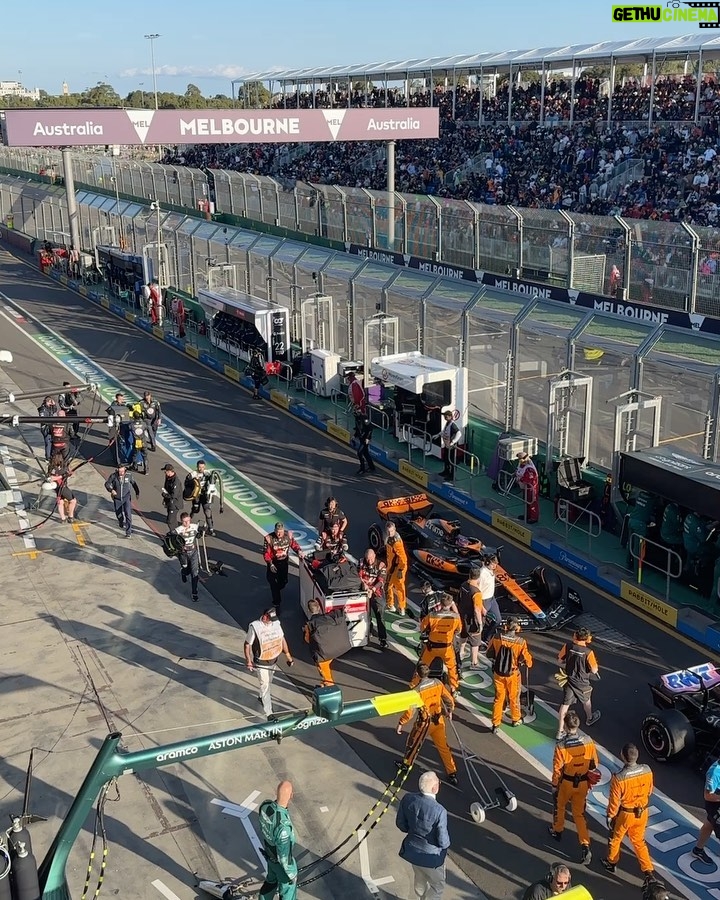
x=555, y=835
x=494, y=729
x=383, y=645
x=183, y=575
x=585, y=854
x=195, y=598
x=702, y=854
x=453, y=779
x=608, y=866
x=211, y=532
x=360, y=472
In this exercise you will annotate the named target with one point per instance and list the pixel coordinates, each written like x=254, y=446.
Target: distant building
x=65, y=89
x=15, y=89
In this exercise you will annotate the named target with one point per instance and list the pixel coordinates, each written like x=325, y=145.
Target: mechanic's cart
x=335, y=584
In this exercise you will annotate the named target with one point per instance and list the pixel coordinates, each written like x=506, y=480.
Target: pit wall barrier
x=685, y=620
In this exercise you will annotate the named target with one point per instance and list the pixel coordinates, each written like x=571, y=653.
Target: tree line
x=104, y=95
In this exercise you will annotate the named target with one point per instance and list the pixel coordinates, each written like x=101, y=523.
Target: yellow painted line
x=596, y=589
x=33, y=554
x=79, y=538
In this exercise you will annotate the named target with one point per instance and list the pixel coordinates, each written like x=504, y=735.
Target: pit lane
x=300, y=467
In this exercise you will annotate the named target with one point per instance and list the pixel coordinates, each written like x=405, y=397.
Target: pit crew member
x=278, y=836
x=329, y=515
x=579, y=664
x=397, y=564
x=508, y=651
x=373, y=574
x=264, y=643
x=276, y=553
x=189, y=556
x=439, y=632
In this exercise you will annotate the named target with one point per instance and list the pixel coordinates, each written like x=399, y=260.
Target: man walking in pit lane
x=264, y=643
x=575, y=771
x=276, y=553
x=119, y=485
x=628, y=810
x=424, y=822
x=712, y=813
x=397, y=565
x=171, y=495
x=330, y=515
x=438, y=705
x=189, y=556
x=508, y=651
x=152, y=414
x=472, y=613
x=580, y=665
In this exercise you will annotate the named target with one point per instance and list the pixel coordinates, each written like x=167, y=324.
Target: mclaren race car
x=443, y=555
x=686, y=722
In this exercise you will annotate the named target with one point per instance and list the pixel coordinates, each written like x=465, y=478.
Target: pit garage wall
x=685, y=620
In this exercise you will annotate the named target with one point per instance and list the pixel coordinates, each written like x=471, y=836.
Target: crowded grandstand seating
x=666, y=170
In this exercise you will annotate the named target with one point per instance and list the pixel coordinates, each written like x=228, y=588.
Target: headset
x=555, y=870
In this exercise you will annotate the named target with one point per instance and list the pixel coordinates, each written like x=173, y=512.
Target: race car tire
x=547, y=583
x=375, y=538
x=667, y=734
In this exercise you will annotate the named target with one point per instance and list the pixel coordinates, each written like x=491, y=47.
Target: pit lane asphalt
x=301, y=468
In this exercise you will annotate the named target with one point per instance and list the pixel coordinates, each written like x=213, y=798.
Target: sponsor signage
x=414, y=474
x=572, y=562
x=638, y=312
x=83, y=127
x=650, y=604
x=511, y=528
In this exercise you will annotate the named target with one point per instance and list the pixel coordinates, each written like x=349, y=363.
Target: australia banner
x=127, y=127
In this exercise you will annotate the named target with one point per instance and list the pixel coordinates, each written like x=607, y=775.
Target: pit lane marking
x=601, y=632
x=17, y=502
x=164, y=890
x=371, y=883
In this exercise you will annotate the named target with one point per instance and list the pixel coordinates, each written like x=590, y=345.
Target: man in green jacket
x=278, y=838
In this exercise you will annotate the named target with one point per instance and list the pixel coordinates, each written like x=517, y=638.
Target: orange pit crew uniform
x=574, y=757
x=441, y=628
x=397, y=564
x=627, y=812
x=507, y=687
x=437, y=703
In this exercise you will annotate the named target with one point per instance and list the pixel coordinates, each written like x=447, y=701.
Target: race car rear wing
x=420, y=504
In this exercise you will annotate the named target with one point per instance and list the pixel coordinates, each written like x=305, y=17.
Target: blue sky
x=209, y=42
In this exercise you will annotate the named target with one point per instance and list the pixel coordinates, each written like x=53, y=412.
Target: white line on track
x=164, y=890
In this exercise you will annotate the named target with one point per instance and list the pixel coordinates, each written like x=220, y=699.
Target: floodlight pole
x=72, y=206
x=391, y=194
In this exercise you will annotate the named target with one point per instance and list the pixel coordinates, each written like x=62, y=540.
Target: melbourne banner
x=89, y=127
x=652, y=315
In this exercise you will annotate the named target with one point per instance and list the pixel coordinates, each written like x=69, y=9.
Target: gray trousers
x=429, y=883
x=265, y=679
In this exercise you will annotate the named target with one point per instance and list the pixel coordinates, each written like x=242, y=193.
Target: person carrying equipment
x=373, y=573
x=200, y=490
x=507, y=652
x=439, y=631
x=276, y=553
x=328, y=637
x=140, y=439
x=58, y=472
x=397, y=564
x=152, y=413
x=189, y=555
x=278, y=837
x=575, y=771
x=438, y=704
x=627, y=810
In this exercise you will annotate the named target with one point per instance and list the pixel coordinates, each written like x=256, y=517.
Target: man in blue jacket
x=424, y=821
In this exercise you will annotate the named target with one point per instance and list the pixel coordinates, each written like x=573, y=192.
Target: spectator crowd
x=553, y=164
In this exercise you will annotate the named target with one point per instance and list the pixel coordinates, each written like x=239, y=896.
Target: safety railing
x=380, y=420
x=416, y=439
x=638, y=547
x=309, y=385
x=578, y=518
x=286, y=377
x=467, y=464
x=341, y=407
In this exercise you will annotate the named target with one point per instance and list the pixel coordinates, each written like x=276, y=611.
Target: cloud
x=220, y=71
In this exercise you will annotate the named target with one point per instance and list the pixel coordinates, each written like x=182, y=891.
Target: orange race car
x=443, y=555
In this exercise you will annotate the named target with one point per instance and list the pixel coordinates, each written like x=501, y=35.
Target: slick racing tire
x=667, y=734
x=548, y=585
x=375, y=538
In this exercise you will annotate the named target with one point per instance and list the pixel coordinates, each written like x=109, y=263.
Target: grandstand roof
x=470, y=63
